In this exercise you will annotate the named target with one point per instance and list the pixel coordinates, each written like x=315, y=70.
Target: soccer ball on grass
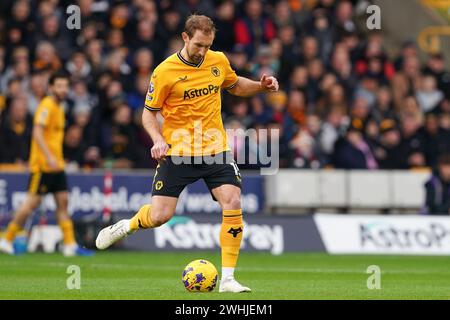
x=200, y=276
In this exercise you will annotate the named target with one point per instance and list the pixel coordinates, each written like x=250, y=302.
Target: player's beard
x=60, y=97
x=194, y=58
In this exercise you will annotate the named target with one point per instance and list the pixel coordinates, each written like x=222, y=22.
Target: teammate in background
x=186, y=89
x=46, y=166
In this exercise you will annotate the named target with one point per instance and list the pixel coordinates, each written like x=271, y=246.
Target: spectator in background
x=20, y=71
x=15, y=133
x=143, y=63
x=305, y=145
x=136, y=97
x=36, y=92
x=80, y=96
x=78, y=67
x=344, y=15
x=296, y=106
x=261, y=113
x=52, y=31
x=310, y=50
x=88, y=33
x=146, y=38
x=411, y=143
x=333, y=97
x=388, y=152
x=73, y=148
x=404, y=80
x=224, y=21
x=120, y=17
x=46, y=58
x=438, y=189
x=94, y=53
x=265, y=63
x=254, y=27
x=86, y=118
x=383, y=108
x=360, y=109
x=408, y=50
x=288, y=55
x=14, y=90
x=285, y=16
x=187, y=7
x=352, y=151
x=299, y=79
x=115, y=42
x=19, y=28
x=435, y=140
x=321, y=29
x=436, y=67
x=119, y=140
x=315, y=75
x=334, y=126
x=170, y=25
x=277, y=101
x=240, y=112
x=428, y=96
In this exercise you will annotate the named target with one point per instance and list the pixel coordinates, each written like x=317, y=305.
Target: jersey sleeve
x=42, y=115
x=158, y=90
x=231, y=78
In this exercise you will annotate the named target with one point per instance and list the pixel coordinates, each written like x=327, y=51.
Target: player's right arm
x=151, y=125
x=38, y=136
x=158, y=91
x=41, y=120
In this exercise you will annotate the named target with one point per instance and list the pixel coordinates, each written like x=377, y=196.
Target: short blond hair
x=199, y=22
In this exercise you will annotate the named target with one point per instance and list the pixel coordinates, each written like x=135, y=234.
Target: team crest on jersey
x=215, y=71
x=43, y=116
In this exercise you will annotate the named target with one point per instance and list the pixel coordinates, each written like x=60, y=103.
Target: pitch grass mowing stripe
x=127, y=275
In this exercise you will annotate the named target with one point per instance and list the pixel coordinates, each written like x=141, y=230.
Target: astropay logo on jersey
x=186, y=233
x=195, y=93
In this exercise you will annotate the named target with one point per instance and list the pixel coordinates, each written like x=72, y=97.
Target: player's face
x=198, y=45
x=60, y=88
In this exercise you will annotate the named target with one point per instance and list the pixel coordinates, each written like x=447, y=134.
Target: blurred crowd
x=344, y=102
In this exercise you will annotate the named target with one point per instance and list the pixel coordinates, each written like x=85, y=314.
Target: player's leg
x=63, y=218
x=154, y=215
x=70, y=247
x=36, y=186
x=229, y=198
x=19, y=218
x=168, y=183
x=148, y=216
x=224, y=182
x=57, y=184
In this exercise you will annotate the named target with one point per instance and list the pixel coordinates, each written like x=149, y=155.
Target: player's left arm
x=245, y=87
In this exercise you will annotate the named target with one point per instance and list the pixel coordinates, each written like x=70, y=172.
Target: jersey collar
x=189, y=63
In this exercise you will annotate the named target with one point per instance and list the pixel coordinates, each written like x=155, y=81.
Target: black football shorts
x=174, y=173
x=47, y=182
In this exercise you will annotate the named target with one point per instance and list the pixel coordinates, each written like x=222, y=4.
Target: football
x=200, y=276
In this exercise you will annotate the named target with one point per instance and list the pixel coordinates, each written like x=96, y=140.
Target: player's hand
x=269, y=83
x=159, y=150
x=52, y=163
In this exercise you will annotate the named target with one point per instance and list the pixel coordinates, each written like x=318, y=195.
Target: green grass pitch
x=145, y=275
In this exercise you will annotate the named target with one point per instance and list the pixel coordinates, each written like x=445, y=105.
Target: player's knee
x=232, y=203
x=160, y=217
